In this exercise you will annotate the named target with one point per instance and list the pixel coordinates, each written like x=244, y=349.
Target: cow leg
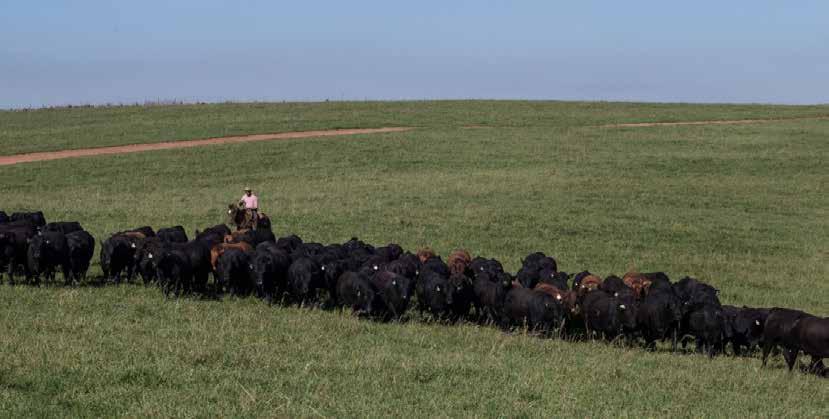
x=10, y=271
x=791, y=356
x=816, y=367
x=67, y=275
x=674, y=336
x=713, y=348
x=650, y=343
x=700, y=345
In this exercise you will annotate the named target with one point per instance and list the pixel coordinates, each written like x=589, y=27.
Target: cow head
x=365, y=297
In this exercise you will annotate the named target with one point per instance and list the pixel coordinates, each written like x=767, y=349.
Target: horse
x=244, y=218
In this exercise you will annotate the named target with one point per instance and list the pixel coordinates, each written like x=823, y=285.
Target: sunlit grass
x=743, y=207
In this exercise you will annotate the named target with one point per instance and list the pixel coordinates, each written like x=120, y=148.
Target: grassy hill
x=742, y=207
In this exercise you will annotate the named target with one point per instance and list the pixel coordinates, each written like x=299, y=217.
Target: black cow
x=145, y=258
x=81, y=249
x=432, y=291
x=530, y=273
x=357, y=292
x=577, y=279
x=198, y=255
x=234, y=272
x=659, y=284
x=556, y=279
x=610, y=315
x=704, y=294
x=390, y=252
x=174, y=234
x=613, y=285
x=779, y=331
x=540, y=261
x=4, y=218
x=394, y=291
x=656, y=276
x=373, y=265
x=490, y=267
x=659, y=316
x=117, y=256
x=175, y=275
x=64, y=227
x=812, y=335
x=46, y=252
x=14, y=244
x=304, y=279
x=332, y=270
x=405, y=267
x=540, y=311
x=356, y=245
x=489, y=294
x=270, y=267
x=437, y=265
x=213, y=235
x=744, y=327
x=692, y=291
x=288, y=243
x=706, y=323
x=460, y=296
x=35, y=218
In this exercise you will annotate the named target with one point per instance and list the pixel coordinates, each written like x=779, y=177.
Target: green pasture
x=743, y=207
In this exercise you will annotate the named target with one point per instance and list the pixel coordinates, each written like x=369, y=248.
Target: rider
x=250, y=201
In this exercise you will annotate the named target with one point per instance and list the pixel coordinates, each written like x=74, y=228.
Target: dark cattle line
x=383, y=283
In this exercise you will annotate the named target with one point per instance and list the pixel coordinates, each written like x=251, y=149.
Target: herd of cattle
x=384, y=282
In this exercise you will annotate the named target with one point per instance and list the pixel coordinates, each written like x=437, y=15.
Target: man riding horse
x=250, y=202
x=245, y=214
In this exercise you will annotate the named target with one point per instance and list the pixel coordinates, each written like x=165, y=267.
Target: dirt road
x=134, y=148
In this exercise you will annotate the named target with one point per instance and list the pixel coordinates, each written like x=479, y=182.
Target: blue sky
x=92, y=52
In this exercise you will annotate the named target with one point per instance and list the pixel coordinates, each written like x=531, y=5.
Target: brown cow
x=566, y=298
x=236, y=236
x=637, y=282
x=458, y=261
x=425, y=253
x=588, y=283
x=220, y=248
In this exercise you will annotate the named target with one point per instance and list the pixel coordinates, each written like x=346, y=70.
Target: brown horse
x=246, y=219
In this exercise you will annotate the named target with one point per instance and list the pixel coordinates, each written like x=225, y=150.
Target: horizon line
x=183, y=102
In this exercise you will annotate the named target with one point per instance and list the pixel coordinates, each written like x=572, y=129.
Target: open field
x=741, y=206
x=79, y=127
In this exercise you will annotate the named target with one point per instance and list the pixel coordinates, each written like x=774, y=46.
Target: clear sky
x=91, y=52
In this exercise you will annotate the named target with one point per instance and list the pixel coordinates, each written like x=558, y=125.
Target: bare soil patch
x=134, y=148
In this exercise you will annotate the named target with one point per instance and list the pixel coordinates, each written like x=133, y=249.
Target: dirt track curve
x=135, y=148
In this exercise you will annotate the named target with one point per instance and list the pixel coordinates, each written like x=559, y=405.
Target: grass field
x=743, y=207
x=80, y=127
